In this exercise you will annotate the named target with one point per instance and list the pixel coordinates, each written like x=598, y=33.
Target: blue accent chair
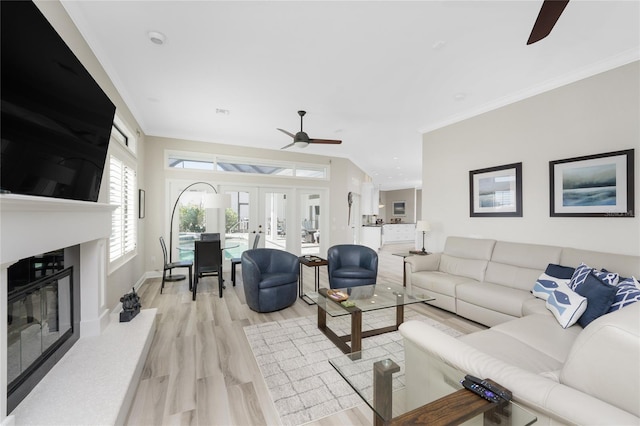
x=352, y=265
x=270, y=279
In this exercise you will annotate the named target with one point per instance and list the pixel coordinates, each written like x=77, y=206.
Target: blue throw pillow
x=599, y=298
x=607, y=277
x=559, y=271
x=627, y=292
x=579, y=275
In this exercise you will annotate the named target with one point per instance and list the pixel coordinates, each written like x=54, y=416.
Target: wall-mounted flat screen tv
x=56, y=120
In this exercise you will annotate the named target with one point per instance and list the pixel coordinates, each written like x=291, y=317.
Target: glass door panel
x=310, y=230
x=237, y=223
x=274, y=221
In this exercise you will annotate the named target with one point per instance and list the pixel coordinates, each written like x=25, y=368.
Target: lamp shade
x=216, y=201
x=423, y=226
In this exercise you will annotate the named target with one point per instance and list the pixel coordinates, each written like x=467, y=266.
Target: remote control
x=498, y=390
x=481, y=391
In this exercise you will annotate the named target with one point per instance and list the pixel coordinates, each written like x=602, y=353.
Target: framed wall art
x=594, y=185
x=399, y=208
x=496, y=191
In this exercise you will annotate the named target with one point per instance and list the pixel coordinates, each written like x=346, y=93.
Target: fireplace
x=29, y=227
x=42, y=318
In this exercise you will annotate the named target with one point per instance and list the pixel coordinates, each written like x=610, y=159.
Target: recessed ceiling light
x=460, y=96
x=156, y=37
x=222, y=111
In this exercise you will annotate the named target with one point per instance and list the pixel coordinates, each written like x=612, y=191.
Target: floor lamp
x=424, y=227
x=211, y=201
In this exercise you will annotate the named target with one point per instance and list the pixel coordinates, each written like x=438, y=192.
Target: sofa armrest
x=418, y=263
x=543, y=396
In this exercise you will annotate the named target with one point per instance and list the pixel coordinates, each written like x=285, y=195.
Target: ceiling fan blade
x=327, y=141
x=287, y=133
x=547, y=18
x=287, y=146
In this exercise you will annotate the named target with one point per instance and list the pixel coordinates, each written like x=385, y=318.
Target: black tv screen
x=56, y=120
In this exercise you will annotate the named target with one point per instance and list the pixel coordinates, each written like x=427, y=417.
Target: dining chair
x=237, y=260
x=169, y=266
x=208, y=262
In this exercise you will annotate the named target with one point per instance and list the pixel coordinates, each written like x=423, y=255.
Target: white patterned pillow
x=566, y=305
x=628, y=292
x=545, y=285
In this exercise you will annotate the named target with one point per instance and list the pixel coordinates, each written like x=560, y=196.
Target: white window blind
x=122, y=184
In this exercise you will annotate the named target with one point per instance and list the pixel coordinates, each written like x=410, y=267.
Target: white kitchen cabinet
x=371, y=237
x=369, y=199
x=398, y=233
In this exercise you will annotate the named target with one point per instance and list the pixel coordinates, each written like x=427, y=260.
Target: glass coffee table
x=365, y=299
x=439, y=399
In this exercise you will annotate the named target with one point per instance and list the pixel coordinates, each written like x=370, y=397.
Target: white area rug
x=293, y=358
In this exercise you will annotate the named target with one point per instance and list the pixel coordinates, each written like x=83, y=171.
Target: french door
x=285, y=218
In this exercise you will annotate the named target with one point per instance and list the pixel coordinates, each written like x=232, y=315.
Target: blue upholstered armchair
x=352, y=265
x=270, y=279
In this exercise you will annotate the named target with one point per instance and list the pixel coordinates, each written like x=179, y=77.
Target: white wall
x=596, y=115
x=121, y=280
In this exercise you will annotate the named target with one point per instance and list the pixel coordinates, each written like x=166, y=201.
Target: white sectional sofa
x=563, y=375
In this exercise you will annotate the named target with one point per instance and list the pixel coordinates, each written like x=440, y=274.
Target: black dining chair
x=237, y=260
x=208, y=262
x=169, y=266
x=212, y=236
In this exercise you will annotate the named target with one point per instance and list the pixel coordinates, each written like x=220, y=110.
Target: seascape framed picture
x=594, y=185
x=399, y=208
x=496, y=191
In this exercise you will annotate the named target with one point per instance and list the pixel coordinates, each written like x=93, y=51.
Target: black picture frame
x=600, y=185
x=141, y=203
x=496, y=191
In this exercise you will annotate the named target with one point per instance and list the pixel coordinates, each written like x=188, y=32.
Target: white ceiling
x=375, y=74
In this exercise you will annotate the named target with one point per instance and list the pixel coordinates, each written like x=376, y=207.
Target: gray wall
x=596, y=115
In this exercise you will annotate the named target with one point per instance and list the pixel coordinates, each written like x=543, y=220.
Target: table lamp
x=424, y=227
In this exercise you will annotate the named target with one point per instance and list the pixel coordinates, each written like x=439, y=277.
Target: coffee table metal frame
x=391, y=296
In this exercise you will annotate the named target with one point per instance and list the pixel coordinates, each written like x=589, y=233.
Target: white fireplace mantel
x=31, y=226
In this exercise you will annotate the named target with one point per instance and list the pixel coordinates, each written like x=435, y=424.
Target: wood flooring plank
x=200, y=368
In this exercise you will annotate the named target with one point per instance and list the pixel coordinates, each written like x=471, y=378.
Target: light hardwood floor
x=200, y=369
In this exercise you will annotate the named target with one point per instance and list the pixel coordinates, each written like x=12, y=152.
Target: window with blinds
x=122, y=191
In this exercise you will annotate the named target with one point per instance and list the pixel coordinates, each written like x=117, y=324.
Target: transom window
x=195, y=161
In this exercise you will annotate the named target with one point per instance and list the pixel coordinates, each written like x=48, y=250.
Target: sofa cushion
x=627, y=292
x=566, y=305
x=534, y=343
x=438, y=282
x=599, y=295
x=469, y=268
x=494, y=297
x=603, y=361
x=625, y=265
x=518, y=265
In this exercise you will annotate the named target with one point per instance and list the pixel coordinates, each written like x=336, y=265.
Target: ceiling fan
x=302, y=140
x=547, y=18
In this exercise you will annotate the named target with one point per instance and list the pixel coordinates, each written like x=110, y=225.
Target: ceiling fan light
x=301, y=144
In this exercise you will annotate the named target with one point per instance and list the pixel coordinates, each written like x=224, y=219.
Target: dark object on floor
x=130, y=306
